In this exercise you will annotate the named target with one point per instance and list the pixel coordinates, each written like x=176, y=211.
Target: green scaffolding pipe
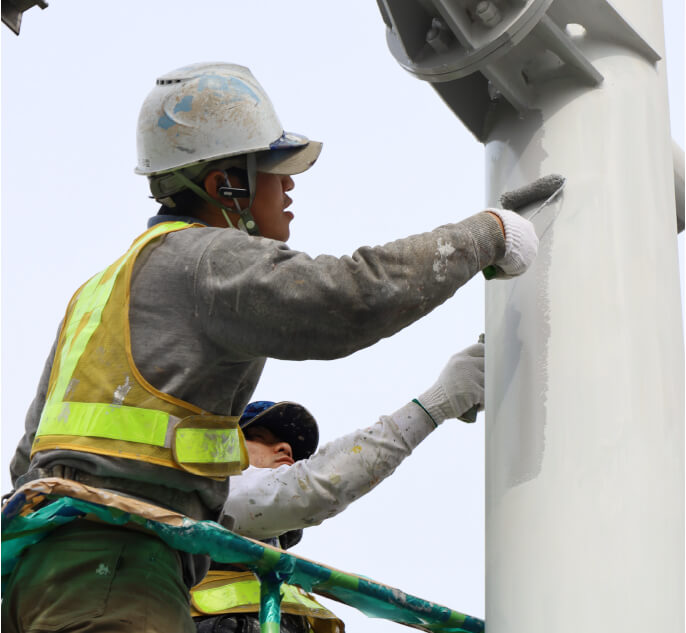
x=270, y=604
x=272, y=566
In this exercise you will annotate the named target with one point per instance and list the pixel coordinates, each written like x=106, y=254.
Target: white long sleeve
x=267, y=502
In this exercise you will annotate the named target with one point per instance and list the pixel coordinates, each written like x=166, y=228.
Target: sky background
x=395, y=162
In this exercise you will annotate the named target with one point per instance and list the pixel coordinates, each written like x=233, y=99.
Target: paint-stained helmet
x=210, y=111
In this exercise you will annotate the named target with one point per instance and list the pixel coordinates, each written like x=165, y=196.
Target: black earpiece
x=228, y=191
x=233, y=192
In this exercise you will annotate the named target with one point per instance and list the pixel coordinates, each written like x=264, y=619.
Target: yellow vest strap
x=115, y=422
x=207, y=445
x=87, y=313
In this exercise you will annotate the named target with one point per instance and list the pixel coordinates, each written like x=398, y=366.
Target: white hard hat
x=210, y=111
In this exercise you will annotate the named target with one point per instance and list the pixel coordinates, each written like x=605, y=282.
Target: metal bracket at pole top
x=475, y=52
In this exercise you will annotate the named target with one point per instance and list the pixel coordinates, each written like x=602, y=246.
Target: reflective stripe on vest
x=202, y=444
x=239, y=592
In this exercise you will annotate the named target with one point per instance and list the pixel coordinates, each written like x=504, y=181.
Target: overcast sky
x=395, y=161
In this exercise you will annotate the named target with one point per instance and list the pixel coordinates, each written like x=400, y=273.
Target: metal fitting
x=488, y=13
x=438, y=36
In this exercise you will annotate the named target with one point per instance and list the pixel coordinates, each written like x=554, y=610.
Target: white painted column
x=585, y=362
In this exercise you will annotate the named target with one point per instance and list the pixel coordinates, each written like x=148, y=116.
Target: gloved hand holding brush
x=521, y=244
x=521, y=241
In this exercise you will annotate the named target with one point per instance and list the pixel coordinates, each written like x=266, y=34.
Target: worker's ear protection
x=232, y=192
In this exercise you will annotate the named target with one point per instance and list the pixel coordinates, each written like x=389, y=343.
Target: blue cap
x=289, y=421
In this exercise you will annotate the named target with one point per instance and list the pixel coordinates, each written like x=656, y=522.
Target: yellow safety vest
x=239, y=592
x=98, y=401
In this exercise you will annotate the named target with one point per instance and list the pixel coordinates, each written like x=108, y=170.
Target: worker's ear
x=213, y=181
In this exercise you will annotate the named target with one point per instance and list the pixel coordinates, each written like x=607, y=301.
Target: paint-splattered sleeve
x=259, y=298
x=268, y=502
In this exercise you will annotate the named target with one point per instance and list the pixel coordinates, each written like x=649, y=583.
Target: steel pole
x=585, y=362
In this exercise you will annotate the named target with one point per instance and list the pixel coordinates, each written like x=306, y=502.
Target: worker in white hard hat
x=165, y=346
x=290, y=486
x=189, y=155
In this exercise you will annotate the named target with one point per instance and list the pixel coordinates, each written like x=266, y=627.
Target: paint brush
x=545, y=188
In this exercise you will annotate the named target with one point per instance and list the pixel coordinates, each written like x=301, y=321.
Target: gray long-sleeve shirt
x=209, y=305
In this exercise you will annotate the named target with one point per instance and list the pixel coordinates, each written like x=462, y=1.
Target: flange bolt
x=488, y=13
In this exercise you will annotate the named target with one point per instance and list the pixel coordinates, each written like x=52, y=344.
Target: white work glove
x=521, y=244
x=459, y=390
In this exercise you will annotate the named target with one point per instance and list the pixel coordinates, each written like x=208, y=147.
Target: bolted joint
x=438, y=36
x=488, y=13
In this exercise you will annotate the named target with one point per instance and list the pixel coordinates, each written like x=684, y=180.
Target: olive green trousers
x=90, y=577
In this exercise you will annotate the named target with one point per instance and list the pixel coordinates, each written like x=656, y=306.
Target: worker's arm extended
x=282, y=303
x=255, y=297
x=268, y=502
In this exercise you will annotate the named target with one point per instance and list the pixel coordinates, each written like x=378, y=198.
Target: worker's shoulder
x=185, y=249
x=192, y=240
x=198, y=234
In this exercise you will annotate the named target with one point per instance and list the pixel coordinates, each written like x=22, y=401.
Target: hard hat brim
x=289, y=159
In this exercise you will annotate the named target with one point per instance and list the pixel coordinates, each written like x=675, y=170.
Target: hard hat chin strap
x=246, y=222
